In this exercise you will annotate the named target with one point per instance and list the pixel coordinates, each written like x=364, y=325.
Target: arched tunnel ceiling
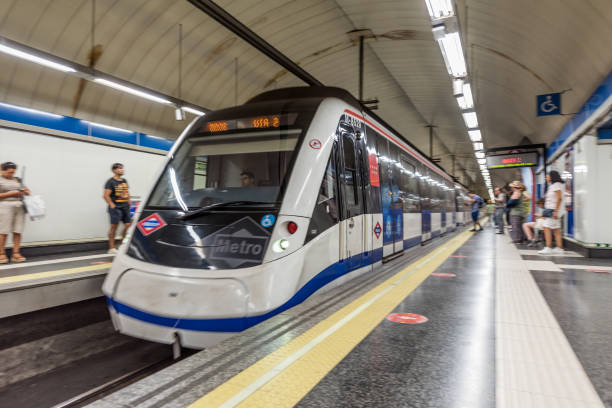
x=515, y=50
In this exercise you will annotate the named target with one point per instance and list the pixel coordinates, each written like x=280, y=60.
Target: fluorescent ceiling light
x=480, y=155
x=482, y=167
x=457, y=86
x=131, y=90
x=478, y=146
x=450, y=45
x=467, y=95
x=475, y=135
x=36, y=59
x=470, y=119
x=29, y=110
x=482, y=161
x=439, y=8
x=108, y=127
x=194, y=111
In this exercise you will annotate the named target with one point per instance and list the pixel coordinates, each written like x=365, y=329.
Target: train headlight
x=280, y=245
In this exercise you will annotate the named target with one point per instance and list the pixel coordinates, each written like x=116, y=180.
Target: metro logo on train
x=151, y=224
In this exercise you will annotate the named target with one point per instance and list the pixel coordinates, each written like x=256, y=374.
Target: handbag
x=512, y=202
x=548, y=212
x=34, y=206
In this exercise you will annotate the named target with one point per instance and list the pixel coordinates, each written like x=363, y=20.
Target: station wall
x=70, y=175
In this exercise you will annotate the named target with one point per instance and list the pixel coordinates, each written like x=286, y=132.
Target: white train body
x=333, y=192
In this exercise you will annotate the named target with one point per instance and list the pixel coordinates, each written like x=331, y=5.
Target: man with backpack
x=477, y=203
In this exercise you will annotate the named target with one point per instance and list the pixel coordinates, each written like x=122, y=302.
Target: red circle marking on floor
x=599, y=271
x=407, y=318
x=458, y=256
x=443, y=274
x=101, y=262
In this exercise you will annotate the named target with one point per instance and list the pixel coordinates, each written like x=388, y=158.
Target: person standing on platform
x=500, y=208
x=476, y=204
x=516, y=211
x=117, y=196
x=12, y=214
x=554, y=208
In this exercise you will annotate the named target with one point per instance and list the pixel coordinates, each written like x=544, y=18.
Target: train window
x=350, y=172
x=325, y=213
x=409, y=187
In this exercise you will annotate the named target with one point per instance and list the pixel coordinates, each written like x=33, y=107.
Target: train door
x=397, y=204
x=352, y=189
x=390, y=199
x=425, y=190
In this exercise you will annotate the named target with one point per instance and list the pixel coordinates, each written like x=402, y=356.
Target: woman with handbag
x=12, y=214
x=554, y=208
x=516, y=211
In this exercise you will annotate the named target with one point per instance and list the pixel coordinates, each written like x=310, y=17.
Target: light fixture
x=475, y=135
x=467, y=95
x=108, y=127
x=452, y=52
x=480, y=155
x=482, y=161
x=179, y=114
x=439, y=8
x=470, y=119
x=457, y=87
x=132, y=91
x=34, y=58
x=482, y=167
x=194, y=111
x=478, y=146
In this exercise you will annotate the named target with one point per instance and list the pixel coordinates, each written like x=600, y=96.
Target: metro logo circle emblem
x=315, y=144
x=407, y=318
x=151, y=224
x=377, y=230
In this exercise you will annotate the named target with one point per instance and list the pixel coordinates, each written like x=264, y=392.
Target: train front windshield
x=238, y=162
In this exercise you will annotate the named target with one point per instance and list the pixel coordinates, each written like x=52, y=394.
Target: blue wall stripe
x=14, y=113
x=329, y=274
x=600, y=95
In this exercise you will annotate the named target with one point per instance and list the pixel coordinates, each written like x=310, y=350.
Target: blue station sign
x=549, y=104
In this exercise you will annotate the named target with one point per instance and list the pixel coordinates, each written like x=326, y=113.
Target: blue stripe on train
x=410, y=242
x=238, y=324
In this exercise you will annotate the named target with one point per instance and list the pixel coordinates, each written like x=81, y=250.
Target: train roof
x=321, y=92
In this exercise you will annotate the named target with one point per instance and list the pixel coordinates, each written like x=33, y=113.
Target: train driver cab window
x=325, y=213
x=351, y=188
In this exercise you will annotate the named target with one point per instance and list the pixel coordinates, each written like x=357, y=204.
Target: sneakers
x=112, y=251
x=532, y=243
x=558, y=251
x=472, y=230
x=546, y=251
x=551, y=251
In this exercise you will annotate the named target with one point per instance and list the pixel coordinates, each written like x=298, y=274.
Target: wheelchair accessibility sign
x=549, y=104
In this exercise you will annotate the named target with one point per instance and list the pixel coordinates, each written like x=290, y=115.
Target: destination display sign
x=501, y=161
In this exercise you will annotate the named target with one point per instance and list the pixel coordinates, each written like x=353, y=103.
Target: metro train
x=259, y=206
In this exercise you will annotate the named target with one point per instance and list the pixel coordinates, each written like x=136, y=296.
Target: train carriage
x=261, y=205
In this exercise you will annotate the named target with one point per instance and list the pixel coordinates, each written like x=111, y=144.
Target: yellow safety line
x=52, y=274
x=278, y=380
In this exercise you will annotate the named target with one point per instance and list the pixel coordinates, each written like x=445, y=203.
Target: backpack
x=481, y=203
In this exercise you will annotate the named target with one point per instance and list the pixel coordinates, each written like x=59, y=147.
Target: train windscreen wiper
x=191, y=214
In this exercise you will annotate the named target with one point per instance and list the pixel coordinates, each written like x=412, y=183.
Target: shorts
x=120, y=214
x=474, y=216
x=550, y=222
x=12, y=217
